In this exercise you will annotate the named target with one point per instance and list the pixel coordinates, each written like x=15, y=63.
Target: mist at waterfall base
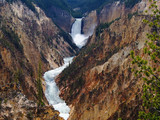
x=78, y=38
x=52, y=91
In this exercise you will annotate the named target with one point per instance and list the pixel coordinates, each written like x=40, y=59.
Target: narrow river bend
x=52, y=91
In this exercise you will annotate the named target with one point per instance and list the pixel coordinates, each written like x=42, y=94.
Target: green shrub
x=87, y=5
x=28, y=3
x=0, y=103
x=39, y=86
x=150, y=73
x=103, y=26
x=67, y=38
x=11, y=37
x=6, y=44
x=130, y=15
x=46, y=5
x=130, y=3
x=5, y=100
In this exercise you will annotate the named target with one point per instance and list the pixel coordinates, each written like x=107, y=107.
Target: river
x=52, y=91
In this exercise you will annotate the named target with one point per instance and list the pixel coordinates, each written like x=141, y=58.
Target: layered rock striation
x=30, y=44
x=100, y=84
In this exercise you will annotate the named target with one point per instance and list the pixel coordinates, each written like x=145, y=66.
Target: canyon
x=100, y=84
x=83, y=64
x=52, y=91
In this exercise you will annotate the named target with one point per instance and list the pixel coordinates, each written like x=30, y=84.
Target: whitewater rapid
x=52, y=91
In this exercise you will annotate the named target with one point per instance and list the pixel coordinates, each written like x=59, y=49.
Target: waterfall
x=76, y=27
x=52, y=91
x=78, y=38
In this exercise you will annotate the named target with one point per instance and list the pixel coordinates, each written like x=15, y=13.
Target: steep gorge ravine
x=97, y=85
x=52, y=91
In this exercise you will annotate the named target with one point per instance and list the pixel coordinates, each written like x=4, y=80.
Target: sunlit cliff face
x=101, y=85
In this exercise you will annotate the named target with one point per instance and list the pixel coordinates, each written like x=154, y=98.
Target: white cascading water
x=78, y=38
x=52, y=91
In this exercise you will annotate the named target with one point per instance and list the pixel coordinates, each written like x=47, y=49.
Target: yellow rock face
x=101, y=85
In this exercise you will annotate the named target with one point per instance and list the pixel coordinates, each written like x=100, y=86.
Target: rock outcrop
x=59, y=11
x=99, y=84
x=30, y=44
x=89, y=23
x=62, y=18
x=18, y=107
x=110, y=12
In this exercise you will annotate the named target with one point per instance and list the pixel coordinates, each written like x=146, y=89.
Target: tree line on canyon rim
x=77, y=8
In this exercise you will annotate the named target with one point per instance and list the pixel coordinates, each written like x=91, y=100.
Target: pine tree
x=39, y=86
x=150, y=73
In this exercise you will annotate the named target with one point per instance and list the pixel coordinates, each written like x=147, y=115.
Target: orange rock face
x=28, y=39
x=99, y=84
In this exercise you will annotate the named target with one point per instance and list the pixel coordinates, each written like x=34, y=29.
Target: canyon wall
x=30, y=44
x=61, y=17
x=59, y=11
x=89, y=23
x=110, y=12
x=100, y=84
x=105, y=14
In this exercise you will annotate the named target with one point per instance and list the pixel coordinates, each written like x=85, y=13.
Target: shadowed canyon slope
x=99, y=84
x=58, y=11
x=27, y=40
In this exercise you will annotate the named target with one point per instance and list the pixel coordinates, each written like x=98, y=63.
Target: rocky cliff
x=16, y=106
x=110, y=12
x=89, y=23
x=59, y=11
x=29, y=42
x=99, y=84
x=107, y=13
x=62, y=18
